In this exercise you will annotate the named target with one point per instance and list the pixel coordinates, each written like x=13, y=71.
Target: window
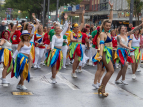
x=87, y=7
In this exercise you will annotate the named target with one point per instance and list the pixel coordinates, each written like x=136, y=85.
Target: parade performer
x=15, y=39
x=6, y=54
x=86, y=41
x=135, y=44
x=106, y=51
x=76, y=51
x=122, y=54
x=55, y=58
x=100, y=69
x=22, y=56
x=68, y=34
x=39, y=46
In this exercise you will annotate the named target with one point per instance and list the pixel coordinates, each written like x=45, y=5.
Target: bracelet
x=100, y=55
x=111, y=9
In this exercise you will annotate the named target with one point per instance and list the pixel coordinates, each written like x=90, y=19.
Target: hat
x=24, y=32
x=19, y=25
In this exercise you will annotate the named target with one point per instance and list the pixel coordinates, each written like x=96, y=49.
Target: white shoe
x=18, y=86
x=38, y=66
x=129, y=67
x=124, y=82
x=53, y=80
x=80, y=70
x=43, y=64
x=22, y=87
x=138, y=70
x=118, y=82
x=99, y=84
x=4, y=81
x=64, y=66
x=95, y=85
x=35, y=66
x=74, y=75
x=88, y=64
x=133, y=76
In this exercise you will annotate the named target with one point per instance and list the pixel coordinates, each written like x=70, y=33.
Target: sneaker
x=43, y=64
x=74, y=75
x=64, y=66
x=138, y=70
x=80, y=70
x=88, y=64
x=35, y=66
x=22, y=87
x=18, y=86
x=53, y=80
x=39, y=66
x=124, y=82
x=133, y=76
x=99, y=84
x=129, y=67
x=118, y=82
x=4, y=81
x=95, y=85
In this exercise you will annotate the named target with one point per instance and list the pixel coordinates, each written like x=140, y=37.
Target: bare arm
x=37, y=22
x=120, y=42
x=2, y=42
x=87, y=42
x=72, y=40
x=13, y=29
x=20, y=45
x=82, y=21
x=130, y=42
x=66, y=25
x=101, y=45
x=136, y=28
x=111, y=12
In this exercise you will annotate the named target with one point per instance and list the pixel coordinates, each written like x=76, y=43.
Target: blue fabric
x=94, y=60
x=1, y=53
x=81, y=52
x=108, y=40
x=123, y=51
x=55, y=57
x=101, y=42
x=32, y=43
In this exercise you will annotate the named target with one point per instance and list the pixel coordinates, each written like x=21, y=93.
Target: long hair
x=103, y=24
x=2, y=34
x=26, y=26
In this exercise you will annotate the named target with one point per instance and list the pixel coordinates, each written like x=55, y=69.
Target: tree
x=34, y=6
x=138, y=6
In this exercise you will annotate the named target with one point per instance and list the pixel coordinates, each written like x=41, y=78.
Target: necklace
x=136, y=37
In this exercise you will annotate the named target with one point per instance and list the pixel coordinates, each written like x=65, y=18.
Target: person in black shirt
x=22, y=23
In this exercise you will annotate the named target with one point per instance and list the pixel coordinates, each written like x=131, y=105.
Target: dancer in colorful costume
x=22, y=56
x=55, y=58
x=135, y=44
x=76, y=51
x=106, y=51
x=6, y=54
x=100, y=68
x=122, y=54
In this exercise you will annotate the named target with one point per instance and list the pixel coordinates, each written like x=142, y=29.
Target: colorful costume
x=76, y=48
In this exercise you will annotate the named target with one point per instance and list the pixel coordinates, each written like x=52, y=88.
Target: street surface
x=70, y=92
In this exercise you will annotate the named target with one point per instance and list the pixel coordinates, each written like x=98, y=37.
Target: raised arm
x=13, y=29
x=111, y=11
x=82, y=21
x=66, y=25
x=37, y=22
x=136, y=28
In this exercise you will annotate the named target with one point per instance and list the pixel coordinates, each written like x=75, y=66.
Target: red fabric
x=3, y=34
x=46, y=39
x=114, y=42
x=52, y=27
x=84, y=36
x=121, y=57
x=16, y=37
x=141, y=41
x=129, y=59
x=35, y=39
x=94, y=41
x=77, y=51
x=58, y=62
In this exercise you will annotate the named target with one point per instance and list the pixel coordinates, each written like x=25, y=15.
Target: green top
x=93, y=35
x=51, y=33
x=64, y=37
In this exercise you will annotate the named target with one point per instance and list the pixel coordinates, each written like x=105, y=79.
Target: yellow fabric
x=96, y=57
x=75, y=25
x=138, y=57
x=32, y=52
x=115, y=55
x=68, y=35
x=35, y=32
x=6, y=57
x=25, y=70
x=21, y=60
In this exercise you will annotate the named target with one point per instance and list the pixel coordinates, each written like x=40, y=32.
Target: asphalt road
x=70, y=92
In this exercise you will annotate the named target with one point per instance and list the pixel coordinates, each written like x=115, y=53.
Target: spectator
x=2, y=27
x=130, y=27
